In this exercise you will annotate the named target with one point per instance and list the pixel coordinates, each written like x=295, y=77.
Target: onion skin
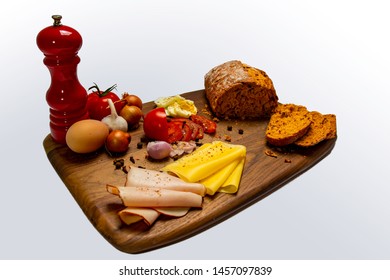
x=158, y=149
x=118, y=141
x=132, y=114
x=132, y=99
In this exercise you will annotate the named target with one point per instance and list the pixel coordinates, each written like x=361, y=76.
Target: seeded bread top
x=237, y=90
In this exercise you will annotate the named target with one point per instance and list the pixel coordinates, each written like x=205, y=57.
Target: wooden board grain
x=86, y=177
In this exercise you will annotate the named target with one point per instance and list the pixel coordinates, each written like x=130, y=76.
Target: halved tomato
x=156, y=125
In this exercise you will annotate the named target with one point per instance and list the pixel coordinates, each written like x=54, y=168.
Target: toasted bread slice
x=333, y=128
x=318, y=130
x=289, y=123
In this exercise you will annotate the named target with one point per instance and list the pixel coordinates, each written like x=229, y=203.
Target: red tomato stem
x=104, y=93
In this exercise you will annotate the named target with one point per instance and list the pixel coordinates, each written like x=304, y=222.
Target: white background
x=331, y=56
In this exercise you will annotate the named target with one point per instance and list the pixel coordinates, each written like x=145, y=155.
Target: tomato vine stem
x=104, y=93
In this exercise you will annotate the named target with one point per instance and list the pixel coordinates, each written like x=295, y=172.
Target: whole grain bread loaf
x=238, y=91
x=289, y=123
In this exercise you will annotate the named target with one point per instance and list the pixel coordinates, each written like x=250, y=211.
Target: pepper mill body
x=66, y=97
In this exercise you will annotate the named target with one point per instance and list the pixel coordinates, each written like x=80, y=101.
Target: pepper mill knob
x=57, y=20
x=66, y=97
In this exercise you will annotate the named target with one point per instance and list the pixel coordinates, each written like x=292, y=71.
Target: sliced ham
x=155, y=197
x=131, y=215
x=148, y=194
x=145, y=178
x=173, y=211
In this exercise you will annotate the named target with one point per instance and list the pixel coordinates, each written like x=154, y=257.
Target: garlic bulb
x=113, y=121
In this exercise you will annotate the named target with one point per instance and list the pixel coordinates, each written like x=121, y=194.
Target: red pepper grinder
x=66, y=97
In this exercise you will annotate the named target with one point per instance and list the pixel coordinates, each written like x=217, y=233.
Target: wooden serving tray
x=86, y=177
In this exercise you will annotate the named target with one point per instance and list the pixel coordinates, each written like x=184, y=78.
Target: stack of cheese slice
x=217, y=165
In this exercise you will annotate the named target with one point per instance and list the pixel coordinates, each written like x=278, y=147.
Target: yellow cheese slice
x=205, y=161
x=214, y=182
x=233, y=181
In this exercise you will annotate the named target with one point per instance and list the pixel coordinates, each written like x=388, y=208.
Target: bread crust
x=236, y=90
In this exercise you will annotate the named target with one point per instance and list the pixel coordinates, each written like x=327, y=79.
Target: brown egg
x=86, y=136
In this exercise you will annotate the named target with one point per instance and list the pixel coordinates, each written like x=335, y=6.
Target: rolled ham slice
x=131, y=215
x=146, y=178
x=155, y=197
x=173, y=211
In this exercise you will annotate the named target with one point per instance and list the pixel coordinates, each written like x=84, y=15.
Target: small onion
x=132, y=99
x=158, y=149
x=118, y=141
x=132, y=114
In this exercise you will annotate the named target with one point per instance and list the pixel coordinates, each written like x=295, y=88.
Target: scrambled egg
x=177, y=106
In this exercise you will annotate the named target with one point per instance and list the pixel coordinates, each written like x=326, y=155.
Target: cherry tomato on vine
x=97, y=104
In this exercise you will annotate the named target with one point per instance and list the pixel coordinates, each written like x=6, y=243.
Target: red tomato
x=156, y=125
x=196, y=129
x=208, y=125
x=199, y=132
x=97, y=104
x=175, y=132
x=187, y=132
x=179, y=130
